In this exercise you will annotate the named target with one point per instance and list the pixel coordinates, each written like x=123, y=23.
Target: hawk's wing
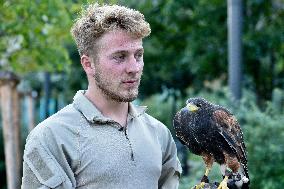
x=185, y=131
x=179, y=128
x=230, y=129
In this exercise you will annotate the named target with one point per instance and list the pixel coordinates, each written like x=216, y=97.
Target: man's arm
x=40, y=168
x=171, y=168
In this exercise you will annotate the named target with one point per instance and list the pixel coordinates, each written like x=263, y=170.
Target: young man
x=102, y=140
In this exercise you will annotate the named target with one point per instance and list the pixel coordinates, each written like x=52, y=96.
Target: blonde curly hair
x=97, y=19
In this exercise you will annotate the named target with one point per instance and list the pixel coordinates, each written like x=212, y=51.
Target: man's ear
x=86, y=62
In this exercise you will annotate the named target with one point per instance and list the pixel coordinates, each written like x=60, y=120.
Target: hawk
x=211, y=131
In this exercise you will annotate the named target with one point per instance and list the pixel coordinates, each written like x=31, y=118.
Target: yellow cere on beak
x=191, y=107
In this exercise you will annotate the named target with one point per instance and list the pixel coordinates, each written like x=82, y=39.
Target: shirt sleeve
x=40, y=168
x=171, y=168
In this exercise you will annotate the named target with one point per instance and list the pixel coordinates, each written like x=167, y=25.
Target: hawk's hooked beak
x=191, y=107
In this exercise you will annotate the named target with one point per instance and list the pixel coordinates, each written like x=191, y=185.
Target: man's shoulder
x=65, y=120
x=66, y=115
x=161, y=131
x=154, y=123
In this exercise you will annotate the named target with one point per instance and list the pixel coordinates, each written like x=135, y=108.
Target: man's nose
x=134, y=65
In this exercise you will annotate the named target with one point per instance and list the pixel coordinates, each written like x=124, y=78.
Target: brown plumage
x=212, y=132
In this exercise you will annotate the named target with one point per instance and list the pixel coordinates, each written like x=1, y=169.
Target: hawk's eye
x=198, y=105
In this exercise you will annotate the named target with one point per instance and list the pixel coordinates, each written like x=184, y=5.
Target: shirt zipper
x=131, y=149
x=121, y=128
x=124, y=129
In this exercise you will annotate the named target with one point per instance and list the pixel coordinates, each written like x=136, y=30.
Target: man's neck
x=117, y=111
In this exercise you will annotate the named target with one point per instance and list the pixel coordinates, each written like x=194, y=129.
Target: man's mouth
x=131, y=82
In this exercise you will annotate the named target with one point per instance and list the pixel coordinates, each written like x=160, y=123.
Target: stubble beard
x=105, y=86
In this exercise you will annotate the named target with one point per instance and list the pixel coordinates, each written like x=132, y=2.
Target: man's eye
x=138, y=56
x=119, y=57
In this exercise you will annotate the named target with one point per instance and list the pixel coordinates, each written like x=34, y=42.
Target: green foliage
x=263, y=135
x=264, y=132
x=33, y=34
x=264, y=45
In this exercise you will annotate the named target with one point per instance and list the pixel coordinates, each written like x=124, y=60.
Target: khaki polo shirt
x=78, y=147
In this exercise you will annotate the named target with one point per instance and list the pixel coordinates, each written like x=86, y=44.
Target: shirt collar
x=135, y=111
x=92, y=114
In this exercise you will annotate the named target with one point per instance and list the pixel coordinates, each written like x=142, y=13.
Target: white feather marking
x=245, y=179
x=239, y=184
x=223, y=168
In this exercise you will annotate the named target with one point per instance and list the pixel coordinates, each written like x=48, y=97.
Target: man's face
x=119, y=65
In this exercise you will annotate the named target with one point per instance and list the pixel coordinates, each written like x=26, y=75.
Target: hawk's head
x=198, y=105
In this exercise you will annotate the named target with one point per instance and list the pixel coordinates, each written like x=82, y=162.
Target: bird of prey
x=211, y=131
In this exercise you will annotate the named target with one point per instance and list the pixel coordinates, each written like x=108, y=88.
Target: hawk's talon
x=223, y=184
x=199, y=186
x=228, y=172
x=205, y=179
